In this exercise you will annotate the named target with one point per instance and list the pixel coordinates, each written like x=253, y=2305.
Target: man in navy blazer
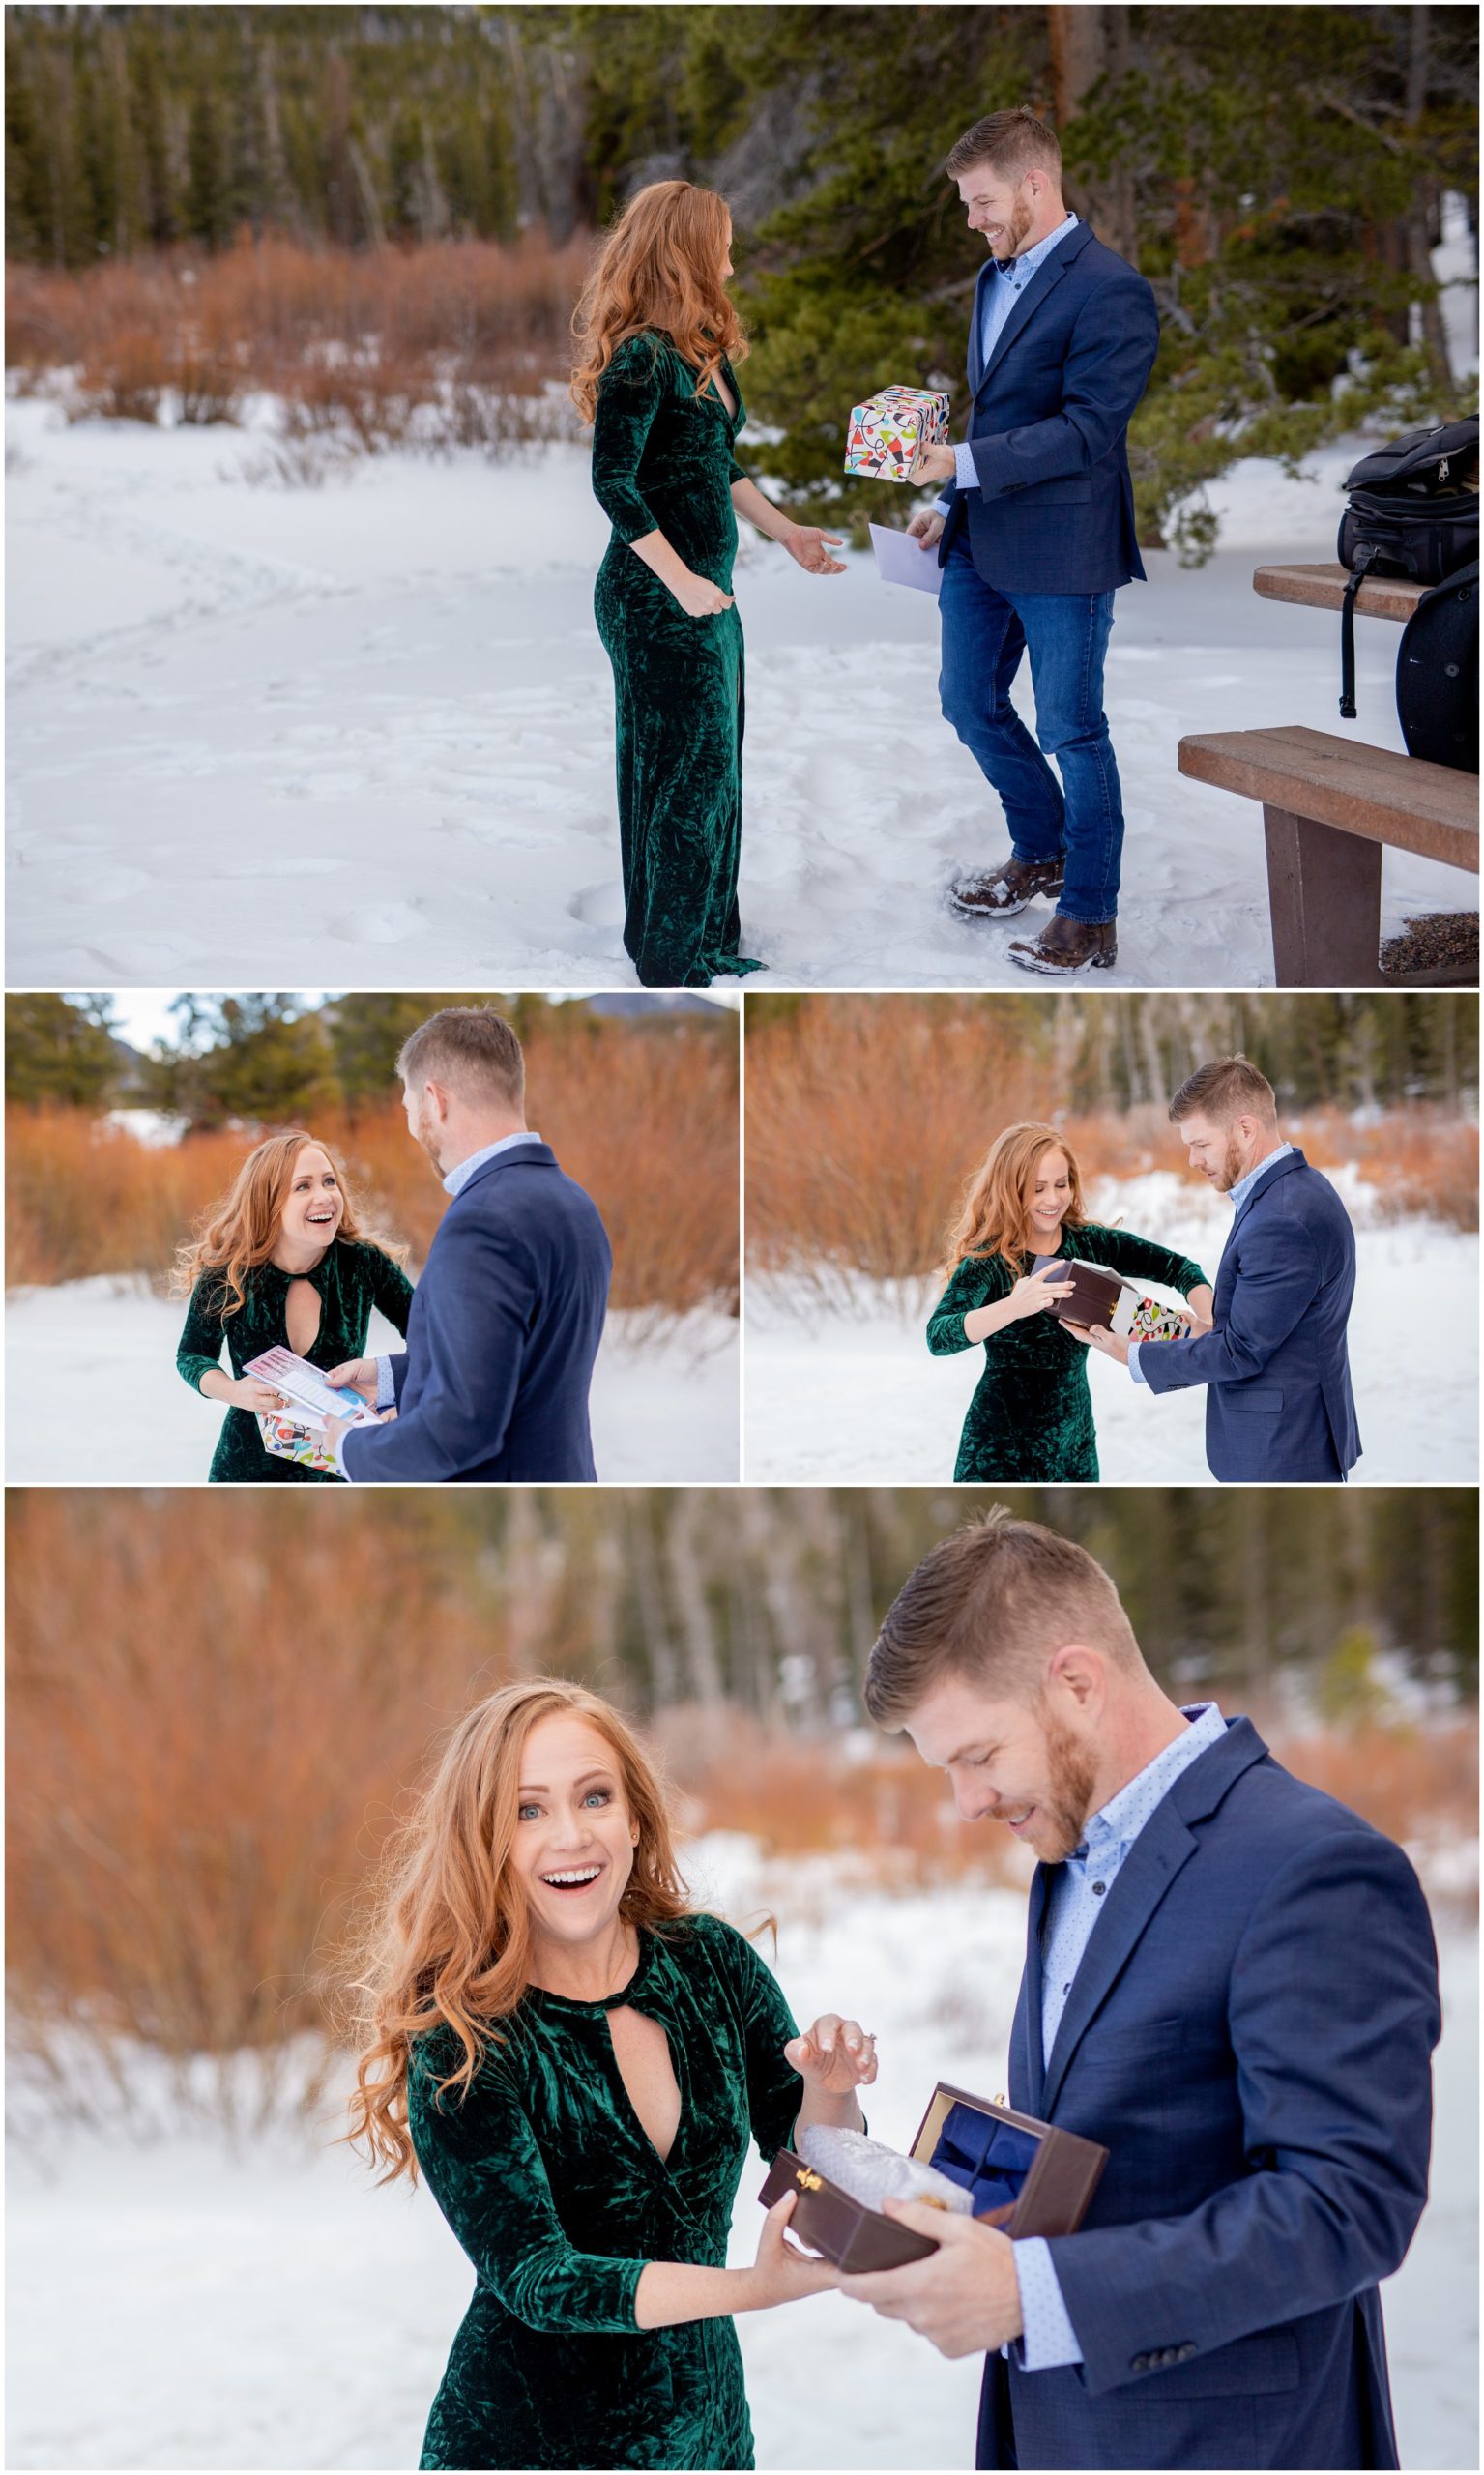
x=1036, y=533
x=1230, y=1984
x=506, y=1318
x=1278, y=1404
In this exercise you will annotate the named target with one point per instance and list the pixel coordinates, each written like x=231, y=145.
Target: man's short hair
x=1229, y=1088
x=471, y=1050
x=1011, y=144
x=992, y=1603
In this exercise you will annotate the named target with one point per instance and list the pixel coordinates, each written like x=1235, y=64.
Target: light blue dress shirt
x=996, y=302
x=1074, y=1905
x=1236, y=1196
x=454, y=1183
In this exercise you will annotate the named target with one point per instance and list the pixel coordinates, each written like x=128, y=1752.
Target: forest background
x=111, y=1155
x=196, y=1804
x=381, y=217
x=865, y=1117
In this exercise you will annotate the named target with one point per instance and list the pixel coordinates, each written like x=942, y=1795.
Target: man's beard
x=1231, y=1170
x=1071, y=1777
x=425, y=1132
x=1015, y=231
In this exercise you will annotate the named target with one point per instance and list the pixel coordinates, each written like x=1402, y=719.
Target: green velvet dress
x=1031, y=1419
x=352, y=1277
x=560, y=2198
x=662, y=461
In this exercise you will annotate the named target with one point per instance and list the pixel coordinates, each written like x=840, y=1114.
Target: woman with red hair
x=657, y=340
x=283, y=1263
x=578, y=2062
x=1031, y=1418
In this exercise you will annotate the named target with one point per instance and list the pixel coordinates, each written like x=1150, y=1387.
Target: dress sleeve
x=980, y=1280
x=485, y=2169
x=628, y=396
x=199, y=1348
x=391, y=1290
x=1140, y=1258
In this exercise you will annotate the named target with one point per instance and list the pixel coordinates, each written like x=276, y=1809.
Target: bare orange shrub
x=863, y=1122
x=205, y=1742
x=368, y=340
x=644, y=1118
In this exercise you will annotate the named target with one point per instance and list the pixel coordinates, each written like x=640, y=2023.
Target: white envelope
x=900, y=560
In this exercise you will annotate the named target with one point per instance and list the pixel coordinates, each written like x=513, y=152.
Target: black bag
x=1437, y=674
x=1408, y=516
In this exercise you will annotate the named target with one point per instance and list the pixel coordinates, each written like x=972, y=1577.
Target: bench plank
x=1323, y=587
x=1371, y=792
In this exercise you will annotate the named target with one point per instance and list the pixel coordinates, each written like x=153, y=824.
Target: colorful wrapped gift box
x=1146, y=1319
x=291, y=1439
x=888, y=434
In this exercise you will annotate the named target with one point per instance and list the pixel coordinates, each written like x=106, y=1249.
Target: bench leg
x=1324, y=892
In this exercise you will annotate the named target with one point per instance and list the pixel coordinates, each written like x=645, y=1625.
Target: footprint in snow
x=600, y=906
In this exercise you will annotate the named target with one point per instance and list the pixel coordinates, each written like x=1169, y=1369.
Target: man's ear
x=1077, y=1668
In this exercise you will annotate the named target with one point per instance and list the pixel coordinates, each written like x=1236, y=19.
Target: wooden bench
x=1322, y=587
x=1329, y=808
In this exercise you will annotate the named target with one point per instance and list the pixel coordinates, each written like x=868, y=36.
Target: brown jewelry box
x=1095, y=1294
x=1054, y=2198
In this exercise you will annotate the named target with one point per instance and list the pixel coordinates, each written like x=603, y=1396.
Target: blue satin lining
x=988, y=2158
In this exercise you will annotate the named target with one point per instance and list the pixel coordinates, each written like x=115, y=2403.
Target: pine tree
x=60, y=1051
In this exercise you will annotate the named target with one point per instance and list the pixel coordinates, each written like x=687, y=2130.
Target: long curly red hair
x=445, y=1940
x=997, y=1197
x=240, y=1231
x=659, y=267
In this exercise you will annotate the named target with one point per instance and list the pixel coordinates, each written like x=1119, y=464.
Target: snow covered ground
x=178, y=2299
x=92, y=1394
x=849, y=1393
x=268, y=737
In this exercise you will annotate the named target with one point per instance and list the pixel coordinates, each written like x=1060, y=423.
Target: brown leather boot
x=1066, y=946
x=1006, y=890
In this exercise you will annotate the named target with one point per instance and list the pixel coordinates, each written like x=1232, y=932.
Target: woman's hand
x=835, y=2056
x=806, y=543
x=780, y=2274
x=1034, y=1294
x=699, y=597
x=249, y=1393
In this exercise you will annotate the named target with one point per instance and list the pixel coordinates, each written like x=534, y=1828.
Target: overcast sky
x=142, y=1015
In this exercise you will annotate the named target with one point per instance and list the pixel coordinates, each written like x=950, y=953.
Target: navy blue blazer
x=1279, y=1403
x=505, y=1327
x=1048, y=423
x=1248, y=2035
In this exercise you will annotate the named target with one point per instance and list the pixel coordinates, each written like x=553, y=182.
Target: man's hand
x=356, y=1375
x=964, y=2298
x=935, y=465
x=1107, y=1344
x=926, y=526
x=806, y=543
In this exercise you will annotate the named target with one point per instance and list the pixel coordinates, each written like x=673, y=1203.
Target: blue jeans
x=984, y=635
